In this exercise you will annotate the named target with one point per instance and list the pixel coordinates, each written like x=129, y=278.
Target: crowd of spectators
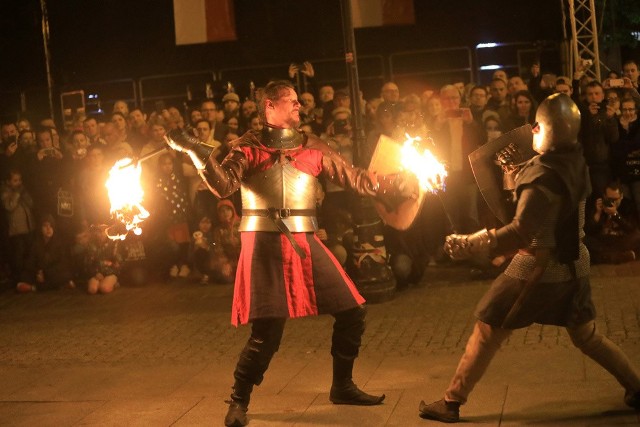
x=56, y=207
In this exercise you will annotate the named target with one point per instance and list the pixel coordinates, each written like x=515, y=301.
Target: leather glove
x=181, y=141
x=509, y=159
x=393, y=189
x=464, y=246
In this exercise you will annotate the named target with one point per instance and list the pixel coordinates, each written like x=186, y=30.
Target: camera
x=586, y=63
x=49, y=151
x=608, y=203
x=616, y=83
x=340, y=127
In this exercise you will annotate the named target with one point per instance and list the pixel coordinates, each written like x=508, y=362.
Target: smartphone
x=616, y=83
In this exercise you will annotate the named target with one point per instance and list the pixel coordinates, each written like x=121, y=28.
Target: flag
x=376, y=13
x=204, y=21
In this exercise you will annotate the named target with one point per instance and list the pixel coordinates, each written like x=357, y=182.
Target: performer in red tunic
x=284, y=270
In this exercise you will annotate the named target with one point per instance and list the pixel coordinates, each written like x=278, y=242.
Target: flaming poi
x=429, y=171
x=125, y=195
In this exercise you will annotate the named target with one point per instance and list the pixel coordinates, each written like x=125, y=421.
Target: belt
x=276, y=215
x=279, y=212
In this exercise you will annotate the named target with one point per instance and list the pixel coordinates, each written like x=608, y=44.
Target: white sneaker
x=184, y=271
x=173, y=272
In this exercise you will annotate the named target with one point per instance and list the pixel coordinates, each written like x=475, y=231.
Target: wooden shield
x=386, y=160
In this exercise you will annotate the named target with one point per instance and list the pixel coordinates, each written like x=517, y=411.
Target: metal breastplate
x=281, y=187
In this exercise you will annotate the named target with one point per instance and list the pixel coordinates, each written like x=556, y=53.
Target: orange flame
x=125, y=195
x=429, y=171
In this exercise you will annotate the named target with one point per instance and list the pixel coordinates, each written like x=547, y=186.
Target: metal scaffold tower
x=584, y=35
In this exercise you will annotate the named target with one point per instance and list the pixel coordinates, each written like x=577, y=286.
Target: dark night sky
x=94, y=40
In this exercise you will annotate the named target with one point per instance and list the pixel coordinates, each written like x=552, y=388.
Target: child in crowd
x=106, y=262
x=81, y=256
x=226, y=238
x=172, y=204
x=202, y=248
x=18, y=204
x=47, y=266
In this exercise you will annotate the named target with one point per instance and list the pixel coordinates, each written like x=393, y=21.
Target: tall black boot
x=344, y=391
x=252, y=364
x=239, y=405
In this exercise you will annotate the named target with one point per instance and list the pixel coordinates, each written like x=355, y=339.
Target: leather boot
x=239, y=405
x=344, y=391
x=441, y=410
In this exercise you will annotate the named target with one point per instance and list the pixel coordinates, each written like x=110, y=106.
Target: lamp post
x=47, y=53
x=368, y=263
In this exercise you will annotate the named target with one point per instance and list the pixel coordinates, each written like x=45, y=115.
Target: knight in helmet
x=284, y=270
x=547, y=281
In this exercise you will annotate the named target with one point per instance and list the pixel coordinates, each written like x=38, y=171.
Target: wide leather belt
x=276, y=215
x=279, y=212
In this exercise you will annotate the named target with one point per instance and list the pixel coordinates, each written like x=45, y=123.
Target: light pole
x=368, y=265
x=47, y=53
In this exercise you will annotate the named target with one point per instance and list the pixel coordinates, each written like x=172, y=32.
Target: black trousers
x=266, y=335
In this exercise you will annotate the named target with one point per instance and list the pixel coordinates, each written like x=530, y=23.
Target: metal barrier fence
x=174, y=89
x=414, y=71
x=417, y=70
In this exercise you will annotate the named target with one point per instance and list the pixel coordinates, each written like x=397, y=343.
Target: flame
x=125, y=195
x=429, y=171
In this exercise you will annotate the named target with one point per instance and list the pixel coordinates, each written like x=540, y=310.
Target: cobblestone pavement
x=189, y=322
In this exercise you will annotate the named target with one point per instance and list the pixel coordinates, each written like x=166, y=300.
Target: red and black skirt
x=273, y=281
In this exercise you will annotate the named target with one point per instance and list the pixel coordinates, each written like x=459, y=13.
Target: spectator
x=611, y=228
x=500, y=74
x=139, y=130
x=18, y=206
x=246, y=110
x=499, y=101
x=194, y=117
x=514, y=85
x=47, y=267
x=226, y=239
x=106, y=262
x=255, y=123
x=231, y=105
x=626, y=153
x=339, y=137
x=121, y=106
x=522, y=112
x=390, y=93
x=23, y=124
x=172, y=207
x=630, y=71
x=456, y=135
x=613, y=100
x=90, y=187
x=92, y=131
x=120, y=122
x=492, y=126
x=202, y=253
x=598, y=131
x=325, y=93
x=210, y=112
x=563, y=85
x=48, y=174
x=478, y=98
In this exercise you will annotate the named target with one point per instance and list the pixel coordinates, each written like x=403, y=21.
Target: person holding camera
x=598, y=132
x=611, y=228
x=626, y=152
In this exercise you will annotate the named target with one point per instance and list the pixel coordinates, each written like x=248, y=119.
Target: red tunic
x=272, y=280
